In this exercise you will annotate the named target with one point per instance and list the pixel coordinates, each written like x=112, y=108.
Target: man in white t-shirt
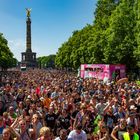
x=77, y=134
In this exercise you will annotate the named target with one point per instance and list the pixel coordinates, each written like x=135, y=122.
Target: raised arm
x=114, y=132
x=107, y=107
x=15, y=133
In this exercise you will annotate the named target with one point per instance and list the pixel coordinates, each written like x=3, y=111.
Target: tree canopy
x=114, y=37
x=46, y=61
x=6, y=56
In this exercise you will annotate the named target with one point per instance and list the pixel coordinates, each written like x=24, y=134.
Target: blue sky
x=53, y=22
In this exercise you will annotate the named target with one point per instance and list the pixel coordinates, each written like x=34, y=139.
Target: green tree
x=120, y=35
x=113, y=38
x=6, y=56
x=75, y=51
x=101, y=23
x=137, y=31
x=46, y=61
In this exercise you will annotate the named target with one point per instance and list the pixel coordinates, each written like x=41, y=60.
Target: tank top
x=120, y=132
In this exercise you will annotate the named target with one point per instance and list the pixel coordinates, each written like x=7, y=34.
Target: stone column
x=28, y=35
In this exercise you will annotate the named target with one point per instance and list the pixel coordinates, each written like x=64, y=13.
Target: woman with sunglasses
x=37, y=125
x=23, y=131
x=22, y=127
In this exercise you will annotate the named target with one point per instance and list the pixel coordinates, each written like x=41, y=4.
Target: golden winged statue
x=28, y=12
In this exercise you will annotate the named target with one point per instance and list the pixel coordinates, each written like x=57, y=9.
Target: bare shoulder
x=116, y=128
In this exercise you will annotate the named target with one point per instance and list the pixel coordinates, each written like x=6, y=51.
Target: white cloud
x=17, y=46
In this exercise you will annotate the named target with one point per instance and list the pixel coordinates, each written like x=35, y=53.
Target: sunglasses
x=22, y=124
x=36, y=118
x=104, y=127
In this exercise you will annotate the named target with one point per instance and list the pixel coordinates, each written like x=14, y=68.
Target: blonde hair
x=6, y=129
x=35, y=115
x=83, y=106
x=44, y=130
x=5, y=113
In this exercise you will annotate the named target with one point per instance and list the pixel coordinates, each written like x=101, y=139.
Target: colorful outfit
x=127, y=137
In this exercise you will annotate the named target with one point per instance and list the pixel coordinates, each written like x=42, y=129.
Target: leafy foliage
x=46, y=61
x=120, y=35
x=113, y=38
x=6, y=56
x=137, y=31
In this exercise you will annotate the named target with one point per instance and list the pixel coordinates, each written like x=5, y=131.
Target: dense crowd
x=57, y=105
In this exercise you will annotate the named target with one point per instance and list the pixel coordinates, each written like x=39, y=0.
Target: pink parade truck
x=102, y=71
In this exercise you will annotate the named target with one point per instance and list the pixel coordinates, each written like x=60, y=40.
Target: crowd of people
x=57, y=105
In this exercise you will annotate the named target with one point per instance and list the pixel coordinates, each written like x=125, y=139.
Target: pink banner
x=101, y=71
